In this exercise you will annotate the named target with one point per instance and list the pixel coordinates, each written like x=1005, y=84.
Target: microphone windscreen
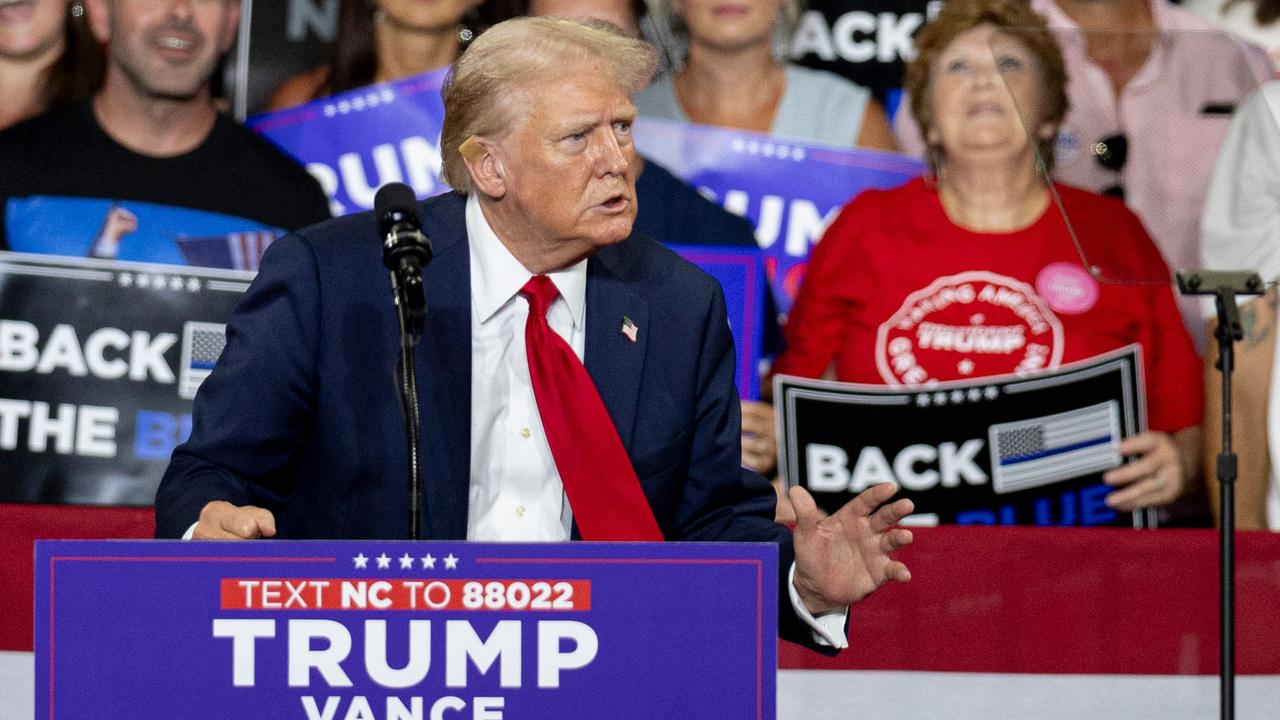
x=395, y=203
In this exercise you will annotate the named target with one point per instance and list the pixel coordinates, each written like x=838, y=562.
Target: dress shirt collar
x=496, y=275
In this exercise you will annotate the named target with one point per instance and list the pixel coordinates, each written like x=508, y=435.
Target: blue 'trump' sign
x=400, y=630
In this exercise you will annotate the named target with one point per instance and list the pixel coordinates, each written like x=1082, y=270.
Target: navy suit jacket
x=301, y=415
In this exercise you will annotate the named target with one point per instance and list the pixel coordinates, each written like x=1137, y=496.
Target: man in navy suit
x=298, y=432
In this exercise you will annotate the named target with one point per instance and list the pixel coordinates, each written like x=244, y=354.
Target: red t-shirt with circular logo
x=897, y=294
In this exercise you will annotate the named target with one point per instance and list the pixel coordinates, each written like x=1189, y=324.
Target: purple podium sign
x=397, y=630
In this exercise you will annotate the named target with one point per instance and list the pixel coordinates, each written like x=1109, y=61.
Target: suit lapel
x=614, y=361
x=444, y=367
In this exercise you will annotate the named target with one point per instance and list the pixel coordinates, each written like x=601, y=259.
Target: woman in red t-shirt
x=977, y=271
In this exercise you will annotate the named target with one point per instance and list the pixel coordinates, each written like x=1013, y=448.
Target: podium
x=400, y=630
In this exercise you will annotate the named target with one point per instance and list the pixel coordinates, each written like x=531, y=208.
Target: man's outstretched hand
x=844, y=557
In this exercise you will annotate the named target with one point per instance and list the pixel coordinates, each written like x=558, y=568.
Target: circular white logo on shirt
x=974, y=324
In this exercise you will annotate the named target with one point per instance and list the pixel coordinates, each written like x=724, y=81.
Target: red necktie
x=603, y=490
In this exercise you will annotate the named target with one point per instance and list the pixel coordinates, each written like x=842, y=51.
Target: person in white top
x=1241, y=231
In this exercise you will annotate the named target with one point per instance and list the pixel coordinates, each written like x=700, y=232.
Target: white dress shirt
x=516, y=494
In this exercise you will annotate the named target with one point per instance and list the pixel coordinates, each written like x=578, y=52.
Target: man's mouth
x=616, y=203
x=174, y=43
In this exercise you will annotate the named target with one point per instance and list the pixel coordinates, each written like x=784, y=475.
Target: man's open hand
x=844, y=557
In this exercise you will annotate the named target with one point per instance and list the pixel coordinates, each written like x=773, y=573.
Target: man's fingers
x=265, y=520
x=897, y=572
x=802, y=503
x=212, y=532
x=890, y=515
x=868, y=500
x=895, y=539
x=221, y=520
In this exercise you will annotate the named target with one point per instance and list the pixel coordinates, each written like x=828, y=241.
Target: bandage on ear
x=471, y=148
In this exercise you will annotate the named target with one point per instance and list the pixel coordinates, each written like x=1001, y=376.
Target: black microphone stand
x=1224, y=286
x=406, y=284
x=405, y=250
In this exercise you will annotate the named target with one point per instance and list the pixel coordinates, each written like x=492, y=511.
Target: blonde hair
x=511, y=56
x=1014, y=18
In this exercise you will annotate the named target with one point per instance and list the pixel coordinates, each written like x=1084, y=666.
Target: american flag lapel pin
x=629, y=328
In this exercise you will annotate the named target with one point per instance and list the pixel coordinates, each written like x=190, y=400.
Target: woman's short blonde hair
x=1013, y=18
x=512, y=57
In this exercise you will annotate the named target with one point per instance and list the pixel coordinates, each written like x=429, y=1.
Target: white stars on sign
x=958, y=396
x=767, y=149
x=157, y=281
x=364, y=101
x=406, y=561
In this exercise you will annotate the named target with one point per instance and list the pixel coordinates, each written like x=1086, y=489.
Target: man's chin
x=616, y=232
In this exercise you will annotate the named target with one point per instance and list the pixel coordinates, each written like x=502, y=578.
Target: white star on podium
x=406, y=562
x=362, y=562
x=384, y=562
x=429, y=562
x=450, y=562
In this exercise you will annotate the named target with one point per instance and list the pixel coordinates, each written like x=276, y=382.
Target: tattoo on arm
x=1258, y=319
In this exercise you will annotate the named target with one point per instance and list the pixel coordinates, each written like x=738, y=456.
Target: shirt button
x=526, y=433
x=519, y=511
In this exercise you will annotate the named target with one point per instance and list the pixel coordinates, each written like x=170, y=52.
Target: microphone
x=405, y=249
x=396, y=209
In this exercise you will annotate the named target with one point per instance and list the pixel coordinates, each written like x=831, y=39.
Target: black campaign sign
x=99, y=362
x=1007, y=451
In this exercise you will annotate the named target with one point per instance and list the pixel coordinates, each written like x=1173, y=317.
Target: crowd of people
x=1068, y=161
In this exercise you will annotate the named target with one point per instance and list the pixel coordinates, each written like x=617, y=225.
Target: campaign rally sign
x=99, y=363
x=740, y=273
x=357, y=141
x=1010, y=450
x=790, y=191
x=378, y=630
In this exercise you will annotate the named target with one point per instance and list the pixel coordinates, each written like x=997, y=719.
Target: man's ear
x=484, y=162
x=99, y=23
x=230, y=26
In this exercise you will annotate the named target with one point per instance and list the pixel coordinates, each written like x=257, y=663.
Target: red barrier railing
x=1064, y=600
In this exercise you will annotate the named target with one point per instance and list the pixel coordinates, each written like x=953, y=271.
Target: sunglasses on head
x=1111, y=152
